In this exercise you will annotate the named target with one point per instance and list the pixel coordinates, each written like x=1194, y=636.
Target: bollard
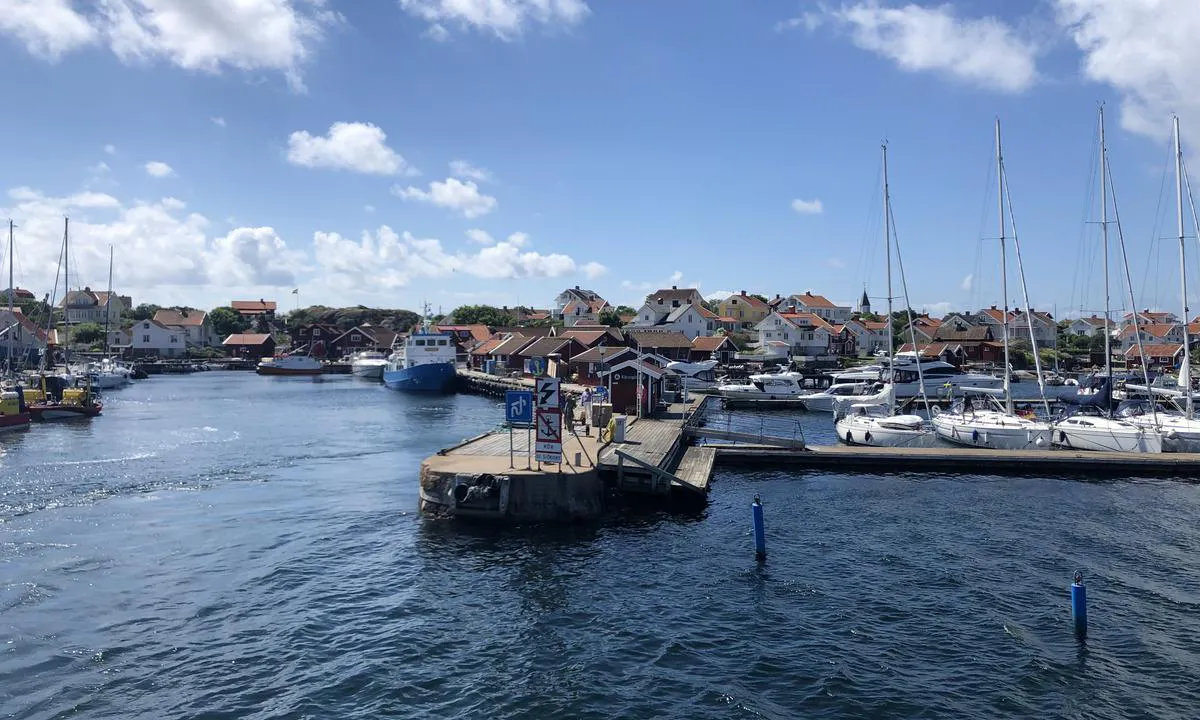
x=760, y=531
x=1079, y=605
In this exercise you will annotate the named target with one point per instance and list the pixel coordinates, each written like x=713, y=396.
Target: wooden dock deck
x=953, y=460
x=652, y=458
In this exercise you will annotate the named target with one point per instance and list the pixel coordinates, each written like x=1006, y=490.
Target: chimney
x=673, y=287
x=808, y=292
x=993, y=307
x=743, y=292
x=576, y=287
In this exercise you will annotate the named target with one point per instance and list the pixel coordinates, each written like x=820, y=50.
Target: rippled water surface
x=225, y=545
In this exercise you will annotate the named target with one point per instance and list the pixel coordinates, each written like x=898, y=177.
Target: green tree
x=226, y=321
x=144, y=311
x=87, y=333
x=483, y=315
x=760, y=297
x=610, y=317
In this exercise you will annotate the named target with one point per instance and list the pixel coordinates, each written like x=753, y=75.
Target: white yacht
x=874, y=424
x=941, y=379
x=859, y=393
x=979, y=420
x=768, y=386
x=695, y=375
x=1180, y=433
x=368, y=364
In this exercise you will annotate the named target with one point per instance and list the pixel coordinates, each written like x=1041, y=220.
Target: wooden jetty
x=655, y=458
x=974, y=461
x=484, y=384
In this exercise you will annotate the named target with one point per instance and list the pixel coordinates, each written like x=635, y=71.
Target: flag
x=296, y=291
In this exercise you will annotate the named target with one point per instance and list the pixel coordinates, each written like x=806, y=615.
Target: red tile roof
x=806, y=318
x=194, y=318
x=815, y=301
x=253, y=307
x=1156, y=350
x=711, y=344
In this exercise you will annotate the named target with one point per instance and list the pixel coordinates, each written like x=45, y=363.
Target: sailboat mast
x=108, y=300
x=887, y=245
x=1185, y=374
x=67, y=296
x=1104, y=241
x=1008, y=405
x=12, y=317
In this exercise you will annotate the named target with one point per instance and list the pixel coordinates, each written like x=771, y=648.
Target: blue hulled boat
x=426, y=363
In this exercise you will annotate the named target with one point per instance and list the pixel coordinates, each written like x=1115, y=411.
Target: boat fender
x=849, y=438
x=867, y=437
x=985, y=438
x=1062, y=437
x=974, y=436
x=1172, y=435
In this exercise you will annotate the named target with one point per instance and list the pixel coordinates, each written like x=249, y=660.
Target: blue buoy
x=1079, y=604
x=760, y=530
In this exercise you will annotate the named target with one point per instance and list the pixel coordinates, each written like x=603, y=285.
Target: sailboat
x=54, y=398
x=1179, y=426
x=1090, y=424
x=979, y=419
x=876, y=423
x=13, y=413
x=108, y=374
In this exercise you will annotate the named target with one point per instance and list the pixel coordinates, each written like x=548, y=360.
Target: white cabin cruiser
x=864, y=393
x=874, y=424
x=695, y=375
x=769, y=386
x=368, y=364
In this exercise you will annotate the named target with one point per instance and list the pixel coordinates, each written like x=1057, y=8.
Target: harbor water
x=225, y=545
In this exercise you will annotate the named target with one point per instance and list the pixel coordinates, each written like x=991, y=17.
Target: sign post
x=548, y=436
x=518, y=412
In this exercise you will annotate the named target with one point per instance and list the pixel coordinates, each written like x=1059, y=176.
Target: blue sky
x=462, y=151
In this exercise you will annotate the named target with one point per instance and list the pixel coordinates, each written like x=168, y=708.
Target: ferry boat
x=426, y=362
x=368, y=364
x=13, y=413
x=55, y=399
x=289, y=365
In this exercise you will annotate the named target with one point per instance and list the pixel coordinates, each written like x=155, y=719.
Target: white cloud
x=437, y=33
x=163, y=253
x=808, y=207
x=480, y=236
x=967, y=282
x=1146, y=51
x=836, y=263
x=47, y=28
x=355, y=146
x=467, y=171
x=202, y=35
x=506, y=19
x=717, y=295
x=159, y=169
x=934, y=309
x=369, y=208
x=218, y=121
x=981, y=51
x=110, y=149
x=100, y=168
x=452, y=193
x=385, y=259
x=593, y=270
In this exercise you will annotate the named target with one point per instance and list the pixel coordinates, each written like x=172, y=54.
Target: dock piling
x=1079, y=605
x=760, y=531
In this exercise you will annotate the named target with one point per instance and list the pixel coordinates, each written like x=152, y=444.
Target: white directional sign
x=548, y=393
x=549, y=435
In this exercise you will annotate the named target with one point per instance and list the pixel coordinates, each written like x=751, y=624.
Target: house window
x=316, y=332
x=146, y=326
x=146, y=339
x=174, y=338
x=355, y=337
x=674, y=303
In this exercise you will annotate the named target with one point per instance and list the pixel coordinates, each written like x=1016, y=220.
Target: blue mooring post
x=760, y=530
x=1079, y=605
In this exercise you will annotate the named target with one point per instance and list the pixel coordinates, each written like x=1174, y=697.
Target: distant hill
x=347, y=317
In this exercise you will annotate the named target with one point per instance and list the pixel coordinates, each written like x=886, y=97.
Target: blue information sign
x=518, y=407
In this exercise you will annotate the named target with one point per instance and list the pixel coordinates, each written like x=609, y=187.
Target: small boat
x=368, y=364
x=864, y=393
x=695, y=376
x=426, y=362
x=786, y=385
x=13, y=413
x=55, y=399
x=290, y=365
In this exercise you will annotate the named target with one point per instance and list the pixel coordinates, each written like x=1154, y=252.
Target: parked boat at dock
x=426, y=362
x=301, y=365
x=368, y=364
x=13, y=413
x=55, y=399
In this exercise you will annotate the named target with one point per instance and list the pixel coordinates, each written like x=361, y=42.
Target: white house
x=820, y=306
x=806, y=334
x=89, y=305
x=150, y=337
x=1146, y=317
x=1154, y=334
x=1045, y=329
x=870, y=336
x=662, y=303
x=692, y=320
x=578, y=306
x=195, y=325
x=1088, y=326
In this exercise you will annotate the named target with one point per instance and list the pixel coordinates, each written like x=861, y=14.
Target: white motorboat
x=859, y=393
x=695, y=376
x=290, y=365
x=1180, y=433
x=768, y=386
x=368, y=364
x=941, y=379
x=874, y=424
